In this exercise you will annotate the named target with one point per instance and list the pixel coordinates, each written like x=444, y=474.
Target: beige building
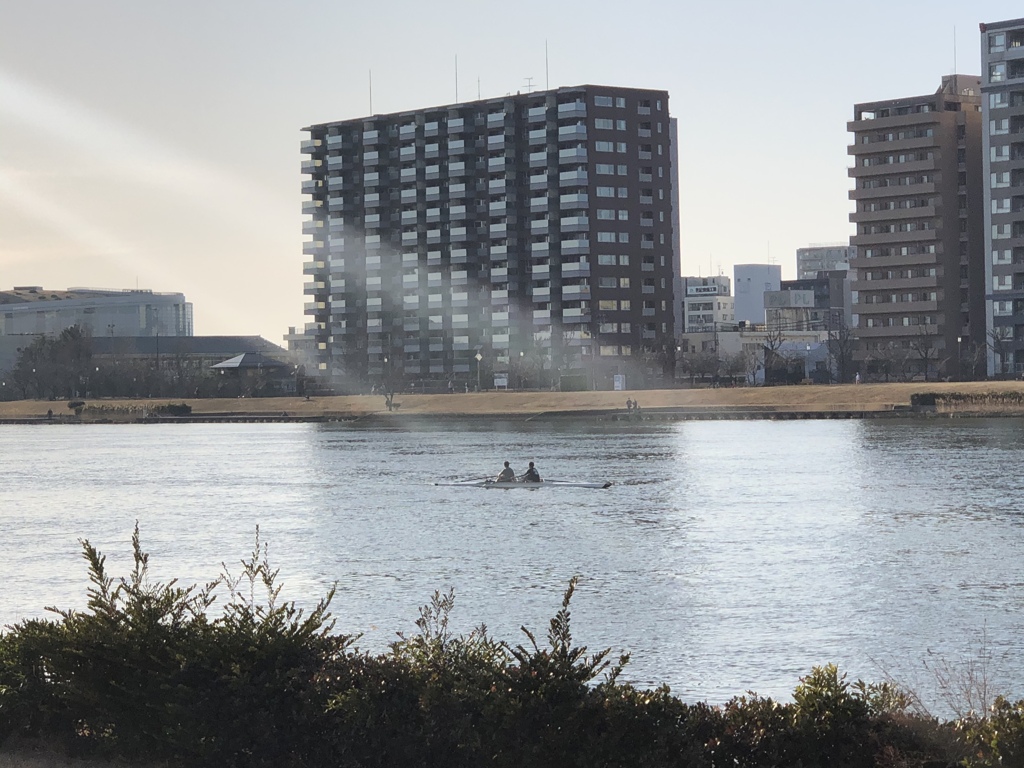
x=918, y=276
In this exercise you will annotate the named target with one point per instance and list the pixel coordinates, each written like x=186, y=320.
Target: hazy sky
x=157, y=143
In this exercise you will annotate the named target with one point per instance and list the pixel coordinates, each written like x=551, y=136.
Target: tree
x=840, y=352
x=999, y=342
x=775, y=365
x=735, y=365
x=926, y=347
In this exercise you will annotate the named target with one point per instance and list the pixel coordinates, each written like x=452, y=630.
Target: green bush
x=152, y=673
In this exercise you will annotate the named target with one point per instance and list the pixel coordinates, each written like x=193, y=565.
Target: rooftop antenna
x=371, y=91
x=955, y=84
x=456, y=78
x=547, y=79
x=529, y=84
x=478, y=89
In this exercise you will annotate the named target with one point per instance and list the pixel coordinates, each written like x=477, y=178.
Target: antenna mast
x=456, y=78
x=371, y=91
x=547, y=79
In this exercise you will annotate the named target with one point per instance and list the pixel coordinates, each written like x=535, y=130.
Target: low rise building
x=707, y=302
x=33, y=310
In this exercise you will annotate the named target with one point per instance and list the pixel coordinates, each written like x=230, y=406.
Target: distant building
x=1002, y=55
x=820, y=303
x=919, y=271
x=823, y=258
x=750, y=281
x=32, y=310
x=707, y=302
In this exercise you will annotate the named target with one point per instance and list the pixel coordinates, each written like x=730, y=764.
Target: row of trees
x=64, y=367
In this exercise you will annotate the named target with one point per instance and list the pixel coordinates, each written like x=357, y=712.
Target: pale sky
x=156, y=144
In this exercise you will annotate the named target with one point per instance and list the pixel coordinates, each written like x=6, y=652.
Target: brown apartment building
x=918, y=275
x=528, y=238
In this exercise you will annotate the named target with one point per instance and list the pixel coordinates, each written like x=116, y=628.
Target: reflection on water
x=728, y=556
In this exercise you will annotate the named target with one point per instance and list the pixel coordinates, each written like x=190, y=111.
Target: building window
x=603, y=123
x=604, y=146
x=997, y=72
x=606, y=237
x=998, y=100
x=605, y=191
x=602, y=101
x=605, y=169
x=605, y=214
x=997, y=42
x=620, y=102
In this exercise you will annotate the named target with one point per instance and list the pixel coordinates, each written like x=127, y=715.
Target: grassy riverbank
x=995, y=397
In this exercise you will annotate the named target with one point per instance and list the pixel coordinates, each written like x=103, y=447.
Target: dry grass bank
x=860, y=397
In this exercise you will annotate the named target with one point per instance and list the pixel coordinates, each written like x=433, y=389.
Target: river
x=728, y=556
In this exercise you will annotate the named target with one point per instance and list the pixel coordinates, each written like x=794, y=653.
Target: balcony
x=573, y=154
x=539, y=225
x=575, y=247
x=574, y=200
x=538, y=181
x=572, y=179
x=537, y=136
x=574, y=224
x=575, y=292
x=538, y=159
x=536, y=114
x=572, y=109
x=576, y=132
x=575, y=269
x=309, y=186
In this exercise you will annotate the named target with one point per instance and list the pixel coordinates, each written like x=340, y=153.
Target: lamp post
x=478, y=357
x=959, y=359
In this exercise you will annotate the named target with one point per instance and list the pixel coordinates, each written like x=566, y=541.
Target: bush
x=173, y=409
x=147, y=673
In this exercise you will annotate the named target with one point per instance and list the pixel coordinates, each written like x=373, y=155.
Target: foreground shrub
x=152, y=673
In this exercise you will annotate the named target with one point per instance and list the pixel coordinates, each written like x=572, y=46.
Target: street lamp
x=479, y=357
x=959, y=359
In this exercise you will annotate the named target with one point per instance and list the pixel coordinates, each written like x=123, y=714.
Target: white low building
x=35, y=311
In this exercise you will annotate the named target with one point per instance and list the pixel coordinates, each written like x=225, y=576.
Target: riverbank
x=992, y=398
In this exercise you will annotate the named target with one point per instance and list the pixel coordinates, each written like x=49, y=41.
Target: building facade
x=823, y=258
x=918, y=276
x=750, y=282
x=819, y=303
x=535, y=230
x=707, y=303
x=32, y=310
x=1002, y=53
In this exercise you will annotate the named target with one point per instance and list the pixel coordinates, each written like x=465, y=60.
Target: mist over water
x=728, y=556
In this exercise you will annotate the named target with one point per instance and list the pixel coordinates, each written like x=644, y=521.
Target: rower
x=531, y=475
x=507, y=475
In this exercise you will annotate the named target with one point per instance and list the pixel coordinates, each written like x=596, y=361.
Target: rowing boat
x=516, y=485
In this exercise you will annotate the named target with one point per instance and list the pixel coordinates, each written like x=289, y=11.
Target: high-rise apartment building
x=1002, y=54
x=823, y=258
x=535, y=230
x=918, y=282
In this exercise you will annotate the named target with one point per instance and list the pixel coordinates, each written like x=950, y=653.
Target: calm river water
x=729, y=556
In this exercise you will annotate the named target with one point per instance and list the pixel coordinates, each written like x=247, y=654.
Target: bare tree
x=775, y=365
x=999, y=342
x=840, y=352
x=925, y=347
